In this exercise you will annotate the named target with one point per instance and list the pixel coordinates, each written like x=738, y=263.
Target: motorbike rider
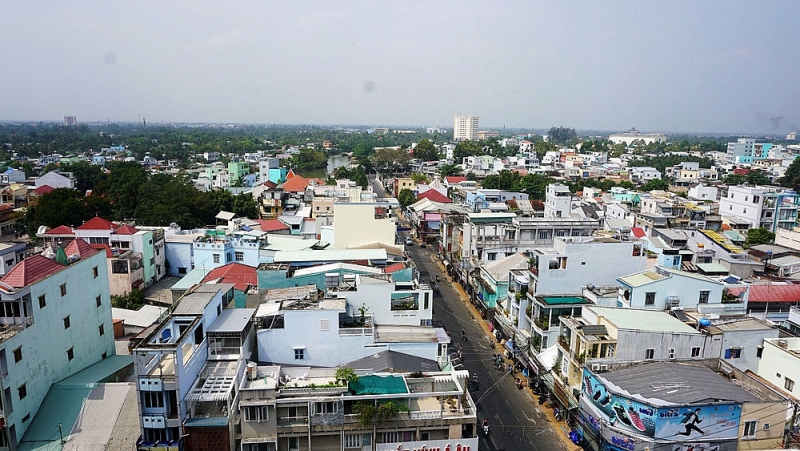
x=485, y=427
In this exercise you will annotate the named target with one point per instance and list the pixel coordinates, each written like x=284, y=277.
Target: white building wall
x=778, y=364
x=377, y=297
x=633, y=345
x=686, y=289
x=355, y=225
x=702, y=192
x=44, y=344
x=748, y=341
x=740, y=203
x=587, y=263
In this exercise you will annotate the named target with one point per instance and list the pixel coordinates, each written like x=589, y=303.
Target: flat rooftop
x=644, y=320
x=672, y=383
x=409, y=334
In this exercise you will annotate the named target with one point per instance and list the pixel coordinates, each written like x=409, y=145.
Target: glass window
x=650, y=298
x=649, y=354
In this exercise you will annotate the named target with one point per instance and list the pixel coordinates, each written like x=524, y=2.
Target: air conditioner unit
x=603, y=367
x=766, y=426
x=595, y=367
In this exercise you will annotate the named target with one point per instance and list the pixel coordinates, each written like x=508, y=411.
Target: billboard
x=618, y=411
x=705, y=422
x=699, y=422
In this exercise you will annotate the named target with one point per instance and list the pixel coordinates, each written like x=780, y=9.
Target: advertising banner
x=618, y=411
x=464, y=444
x=699, y=422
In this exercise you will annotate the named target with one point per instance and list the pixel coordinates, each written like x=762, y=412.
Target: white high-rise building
x=465, y=128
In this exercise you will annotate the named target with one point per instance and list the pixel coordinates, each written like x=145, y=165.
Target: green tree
x=245, y=206
x=122, y=188
x=561, y=135
x=419, y=177
x=655, y=184
x=791, y=178
x=406, y=197
x=86, y=175
x=426, y=151
x=446, y=170
x=62, y=206
x=759, y=236
x=752, y=177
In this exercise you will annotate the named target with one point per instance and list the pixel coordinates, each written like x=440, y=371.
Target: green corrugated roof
x=378, y=385
x=61, y=406
x=565, y=300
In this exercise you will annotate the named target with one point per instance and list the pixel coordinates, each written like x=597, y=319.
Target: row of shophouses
x=641, y=353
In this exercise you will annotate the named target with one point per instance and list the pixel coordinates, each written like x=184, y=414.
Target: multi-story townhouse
x=766, y=207
x=56, y=322
x=169, y=360
x=309, y=408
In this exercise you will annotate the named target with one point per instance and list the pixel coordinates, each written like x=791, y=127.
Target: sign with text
x=463, y=444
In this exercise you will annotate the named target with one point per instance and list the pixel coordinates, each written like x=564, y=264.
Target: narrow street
x=516, y=420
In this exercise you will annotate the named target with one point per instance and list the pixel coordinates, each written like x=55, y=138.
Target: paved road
x=516, y=423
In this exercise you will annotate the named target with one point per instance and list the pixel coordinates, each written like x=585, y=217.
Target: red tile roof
x=97, y=223
x=60, y=230
x=81, y=247
x=455, y=179
x=771, y=293
x=290, y=175
x=44, y=189
x=241, y=276
x=126, y=230
x=31, y=270
x=272, y=225
x=638, y=232
x=435, y=196
x=393, y=268
x=298, y=184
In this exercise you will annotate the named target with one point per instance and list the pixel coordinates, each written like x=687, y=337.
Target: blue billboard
x=618, y=411
x=699, y=422
x=706, y=422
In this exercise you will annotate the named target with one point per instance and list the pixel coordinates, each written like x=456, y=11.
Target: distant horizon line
x=392, y=126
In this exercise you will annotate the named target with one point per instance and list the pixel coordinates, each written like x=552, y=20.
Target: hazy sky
x=695, y=66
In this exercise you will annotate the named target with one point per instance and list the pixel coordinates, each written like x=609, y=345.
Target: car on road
x=409, y=242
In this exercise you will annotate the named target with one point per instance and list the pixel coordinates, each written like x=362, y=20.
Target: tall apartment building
x=465, y=128
x=746, y=150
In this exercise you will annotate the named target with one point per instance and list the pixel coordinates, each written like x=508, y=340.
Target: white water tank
x=252, y=371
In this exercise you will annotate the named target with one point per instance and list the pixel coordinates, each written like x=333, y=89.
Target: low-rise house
x=679, y=405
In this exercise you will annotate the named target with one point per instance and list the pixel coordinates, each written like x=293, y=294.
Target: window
x=216, y=258
x=18, y=354
x=759, y=351
x=182, y=270
x=491, y=256
x=66, y=322
x=70, y=353
x=42, y=301
x=95, y=272
x=299, y=353
x=294, y=443
x=255, y=414
x=650, y=298
x=324, y=324
x=153, y=400
x=733, y=353
x=696, y=351
x=744, y=210
x=750, y=429
x=788, y=384
x=240, y=256
x=22, y=391
x=704, y=297
x=99, y=301
x=325, y=407
x=649, y=354
x=63, y=289
x=102, y=329
x=671, y=353
x=26, y=418
x=352, y=441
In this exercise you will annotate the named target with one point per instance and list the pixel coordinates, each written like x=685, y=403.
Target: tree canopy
x=561, y=135
x=426, y=151
x=406, y=197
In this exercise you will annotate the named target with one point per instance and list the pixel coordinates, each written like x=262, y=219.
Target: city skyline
x=714, y=67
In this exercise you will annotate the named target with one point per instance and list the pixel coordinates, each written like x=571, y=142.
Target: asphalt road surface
x=515, y=421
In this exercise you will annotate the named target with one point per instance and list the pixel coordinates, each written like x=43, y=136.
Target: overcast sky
x=693, y=66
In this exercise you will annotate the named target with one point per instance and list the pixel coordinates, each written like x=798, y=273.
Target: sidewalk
x=560, y=428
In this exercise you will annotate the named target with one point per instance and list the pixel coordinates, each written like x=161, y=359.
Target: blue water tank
x=705, y=322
